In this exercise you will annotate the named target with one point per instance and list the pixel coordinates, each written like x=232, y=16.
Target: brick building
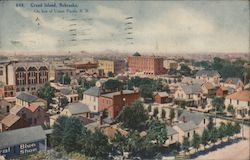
x=115, y=101
x=149, y=65
x=25, y=76
x=114, y=66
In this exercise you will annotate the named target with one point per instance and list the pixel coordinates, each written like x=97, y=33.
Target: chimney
x=101, y=118
x=184, y=119
x=121, y=92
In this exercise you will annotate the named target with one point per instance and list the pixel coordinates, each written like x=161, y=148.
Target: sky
x=125, y=26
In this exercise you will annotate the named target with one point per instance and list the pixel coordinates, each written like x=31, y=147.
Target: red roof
x=33, y=107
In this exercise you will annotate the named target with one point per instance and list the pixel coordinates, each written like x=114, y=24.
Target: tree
x=218, y=104
x=171, y=115
x=120, y=143
x=155, y=112
x=236, y=128
x=229, y=130
x=157, y=131
x=73, y=130
x=97, y=145
x=113, y=85
x=196, y=141
x=66, y=131
x=46, y=92
x=186, y=144
x=230, y=109
x=133, y=117
x=146, y=91
x=213, y=134
x=210, y=123
x=222, y=130
x=163, y=114
x=64, y=79
x=63, y=101
x=149, y=108
x=80, y=91
x=185, y=70
x=105, y=113
x=205, y=137
x=110, y=74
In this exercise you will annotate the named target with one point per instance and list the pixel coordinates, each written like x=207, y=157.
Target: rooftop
x=233, y=80
x=240, y=95
x=209, y=73
x=26, y=97
x=191, y=88
x=171, y=131
x=195, y=117
x=20, y=136
x=187, y=126
x=77, y=108
x=10, y=119
x=111, y=95
x=93, y=91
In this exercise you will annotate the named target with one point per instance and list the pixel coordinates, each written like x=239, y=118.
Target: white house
x=187, y=129
x=190, y=93
x=198, y=118
x=234, y=83
x=240, y=101
x=76, y=109
x=91, y=98
x=208, y=76
x=173, y=136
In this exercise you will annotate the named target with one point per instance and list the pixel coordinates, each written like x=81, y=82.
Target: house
x=191, y=94
x=76, y=109
x=208, y=76
x=70, y=94
x=208, y=88
x=240, y=101
x=161, y=97
x=187, y=129
x=22, y=142
x=234, y=83
x=173, y=136
x=34, y=114
x=115, y=101
x=198, y=118
x=5, y=107
x=223, y=91
x=26, y=99
x=91, y=98
x=11, y=122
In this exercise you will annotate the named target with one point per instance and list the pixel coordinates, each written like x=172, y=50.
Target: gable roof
x=162, y=94
x=77, y=108
x=66, y=91
x=33, y=107
x=195, y=117
x=136, y=54
x=16, y=109
x=20, y=136
x=171, y=131
x=240, y=95
x=93, y=91
x=10, y=119
x=209, y=73
x=191, y=88
x=233, y=80
x=27, y=97
x=208, y=85
x=187, y=126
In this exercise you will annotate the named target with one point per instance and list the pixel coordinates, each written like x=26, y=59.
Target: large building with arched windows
x=26, y=76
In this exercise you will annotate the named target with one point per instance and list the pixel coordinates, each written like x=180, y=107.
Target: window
x=237, y=102
x=248, y=103
x=8, y=109
x=194, y=132
x=204, y=121
x=188, y=134
x=230, y=101
x=171, y=138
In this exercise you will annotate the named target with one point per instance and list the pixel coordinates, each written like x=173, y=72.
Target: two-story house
x=240, y=101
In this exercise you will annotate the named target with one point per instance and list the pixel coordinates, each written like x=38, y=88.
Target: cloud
x=34, y=41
